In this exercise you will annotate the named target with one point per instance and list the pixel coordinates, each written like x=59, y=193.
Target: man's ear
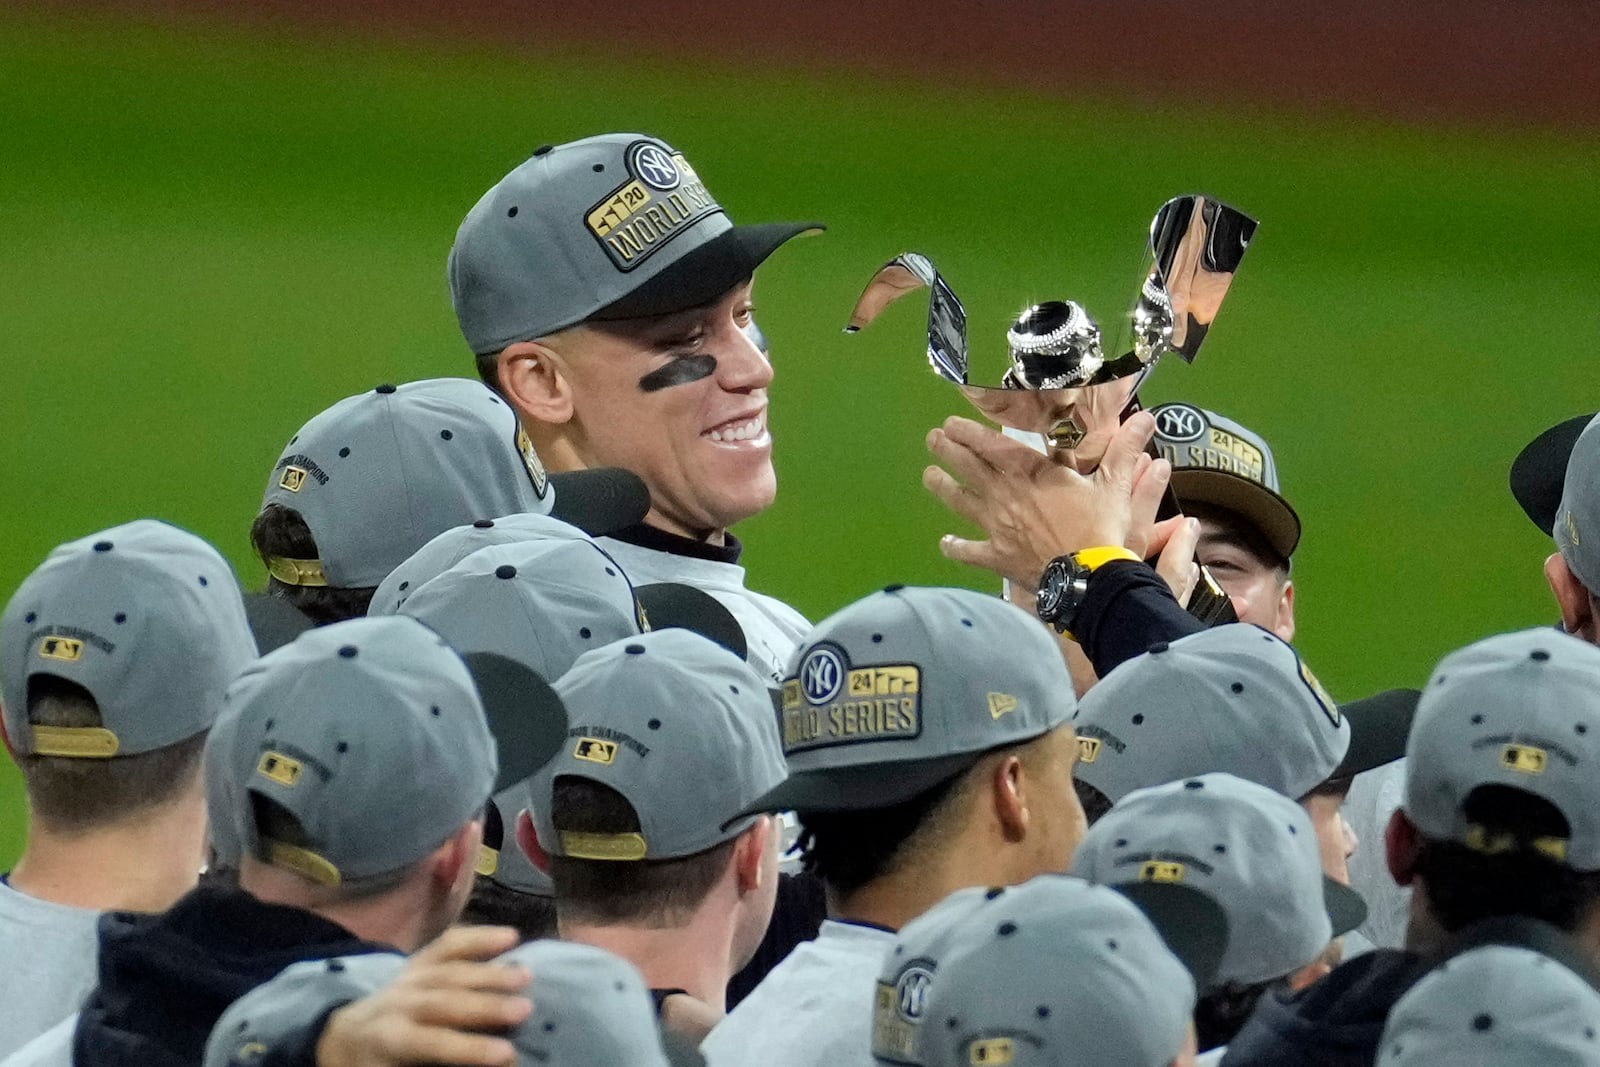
x=457, y=858
x=750, y=852
x=533, y=377
x=1577, y=606
x=528, y=841
x=1401, y=843
x=1008, y=788
x=1283, y=626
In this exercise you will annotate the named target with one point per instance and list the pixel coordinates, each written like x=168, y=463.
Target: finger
x=977, y=473
x=1156, y=536
x=991, y=446
x=468, y=943
x=1127, y=445
x=461, y=974
x=1176, y=564
x=410, y=1043
x=976, y=554
x=1148, y=492
x=957, y=497
x=463, y=1009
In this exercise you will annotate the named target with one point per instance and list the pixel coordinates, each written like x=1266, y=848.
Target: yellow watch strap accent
x=1095, y=558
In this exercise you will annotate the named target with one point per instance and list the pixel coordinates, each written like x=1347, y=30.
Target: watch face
x=1053, y=587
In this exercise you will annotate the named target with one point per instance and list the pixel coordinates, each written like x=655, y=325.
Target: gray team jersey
x=51, y=956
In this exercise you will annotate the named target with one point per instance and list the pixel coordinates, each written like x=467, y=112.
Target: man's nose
x=741, y=365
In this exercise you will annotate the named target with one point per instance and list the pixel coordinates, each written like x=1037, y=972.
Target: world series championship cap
x=1183, y=849
x=911, y=967
x=456, y=544
x=1498, y=1004
x=373, y=735
x=1519, y=710
x=680, y=727
x=1234, y=698
x=1065, y=972
x=379, y=474
x=145, y=617
x=907, y=688
x=1577, y=528
x=1539, y=473
x=1219, y=462
x=617, y=226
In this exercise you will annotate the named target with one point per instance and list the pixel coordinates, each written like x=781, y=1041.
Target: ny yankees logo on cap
x=654, y=166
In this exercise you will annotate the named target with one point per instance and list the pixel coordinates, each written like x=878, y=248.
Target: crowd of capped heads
x=492, y=757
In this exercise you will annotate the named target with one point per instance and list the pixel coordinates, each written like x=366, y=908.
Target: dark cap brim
x=1194, y=926
x=1379, y=726
x=1539, y=472
x=274, y=622
x=705, y=274
x=1346, y=908
x=526, y=718
x=862, y=788
x=1258, y=505
x=671, y=604
x=600, y=501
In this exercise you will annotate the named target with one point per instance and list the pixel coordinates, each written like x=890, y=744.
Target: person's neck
x=140, y=864
x=894, y=899
x=696, y=957
x=396, y=917
x=666, y=524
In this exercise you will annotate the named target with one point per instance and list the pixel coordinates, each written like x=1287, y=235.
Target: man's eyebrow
x=1226, y=536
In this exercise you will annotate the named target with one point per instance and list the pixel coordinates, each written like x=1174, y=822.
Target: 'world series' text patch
x=831, y=702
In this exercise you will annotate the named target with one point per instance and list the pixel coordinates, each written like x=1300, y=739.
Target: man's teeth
x=745, y=431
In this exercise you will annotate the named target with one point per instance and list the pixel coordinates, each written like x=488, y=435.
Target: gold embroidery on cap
x=302, y=861
x=531, y=460
x=1572, y=528
x=75, y=742
x=1088, y=749
x=488, y=860
x=292, y=479
x=69, y=649
x=282, y=769
x=1001, y=704
x=991, y=1052
x=302, y=572
x=250, y=1050
x=595, y=750
x=610, y=847
x=1524, y=758
x=1164, y=871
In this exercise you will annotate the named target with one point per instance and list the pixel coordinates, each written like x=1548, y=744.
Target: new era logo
x=1001, y=704
x=1523, y=758
x=292, y=479
x=279, y=768
x=1088, y=749
x=595, y=750
x=69, y=649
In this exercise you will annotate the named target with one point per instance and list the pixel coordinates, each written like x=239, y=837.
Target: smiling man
x=607, y=295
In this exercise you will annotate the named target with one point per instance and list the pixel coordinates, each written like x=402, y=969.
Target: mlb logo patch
x=67, y=649
x=292, y=479
x=595, y=750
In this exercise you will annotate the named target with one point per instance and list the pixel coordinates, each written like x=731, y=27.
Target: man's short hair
x=1221, y=1013
x=1243, y=532
x=280, y=533
x=493, y=904
x=654, y=893
x=75, y=795
x=1095, y=803
x=1465, y=885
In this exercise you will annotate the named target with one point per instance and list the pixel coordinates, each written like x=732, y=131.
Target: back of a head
x=1577, y=527
x=1502, y=784
x=114, y=655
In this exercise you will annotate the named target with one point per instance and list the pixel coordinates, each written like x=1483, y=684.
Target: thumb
x=1121, y=461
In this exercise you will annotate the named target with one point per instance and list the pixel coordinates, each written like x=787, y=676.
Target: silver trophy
x=1059, y=381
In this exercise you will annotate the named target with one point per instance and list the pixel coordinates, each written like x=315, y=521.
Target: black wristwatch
x=1065, y=583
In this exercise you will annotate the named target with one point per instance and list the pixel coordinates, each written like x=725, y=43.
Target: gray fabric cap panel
x=911, y=968
x=1519, y=710
x=1577, y=531
x=681, y=727
x=1501, y=1005
x=371, y=733
x=146, y=617
x=541, y=603
x=265, y=1019
x=378, y=475
x=1250, y=849
x=589, y=1008
x=456, y=544
x=1112, y=993
x=1233, y=698
x=915, y=674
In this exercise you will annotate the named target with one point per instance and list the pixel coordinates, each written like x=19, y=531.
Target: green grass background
x=207, y=235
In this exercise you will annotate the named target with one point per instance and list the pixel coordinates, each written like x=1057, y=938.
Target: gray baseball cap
x=379, y=474
x=1577, y=529
x=1498, y=1004
x=1233, y=698
x=1216, y=461
x=501, y=858
x=1238, y=845
x=617, y=226
x=147, y=618
x=456, y=544
x=908, y=688
x=1067, y=972
x=372, y=734
x=682, y=728
x=590, y=1007
x=911, y=968
x=1519, y=710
